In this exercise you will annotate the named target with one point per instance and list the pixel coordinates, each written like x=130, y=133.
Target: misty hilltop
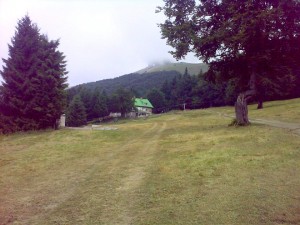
x=193, y=68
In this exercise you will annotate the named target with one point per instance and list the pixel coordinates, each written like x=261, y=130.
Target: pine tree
x=166, y=90
x=103, y=103
x=33, y=90
x=184, y=88
x=157, y=98
x=99, y=105
x=125, y=99
x=76, y=115
x=121, y=101
x=86, y=96
x=52, y=97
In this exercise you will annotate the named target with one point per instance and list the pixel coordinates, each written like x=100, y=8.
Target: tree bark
x=260, y=104
x=241, y=105
x=123, y=114
x=241, y=110
x=56, y=124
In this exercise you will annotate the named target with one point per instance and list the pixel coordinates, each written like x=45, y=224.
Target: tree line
x=93, y=104
x=183, y=91
x=196, y=92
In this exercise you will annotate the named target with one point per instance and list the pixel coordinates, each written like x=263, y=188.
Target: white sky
x=100, y=38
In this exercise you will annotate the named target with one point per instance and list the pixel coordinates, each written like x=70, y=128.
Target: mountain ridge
x=193, y=68
x=145, y=79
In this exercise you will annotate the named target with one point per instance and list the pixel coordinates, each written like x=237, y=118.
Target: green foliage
x=33, y=91
x=123, y=101
x=139, y=84
x=184, y=89
x=195, y=92
x=76, y=115
x=238, y=39
x=157, y=99
x=99, y=105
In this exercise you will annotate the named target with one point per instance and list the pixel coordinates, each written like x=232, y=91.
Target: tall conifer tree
x=33, y=90
x=76, y=113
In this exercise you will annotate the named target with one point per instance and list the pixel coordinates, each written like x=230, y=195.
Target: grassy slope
x=286, y=111
x=193, y=68
x=180, y=168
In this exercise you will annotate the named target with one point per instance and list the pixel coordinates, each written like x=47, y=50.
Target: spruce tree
x=103, y=102
x=76, y=115
x=95, y=105
x=34, y=81
x=125, y=99
x=121, y=101
x=157, y=98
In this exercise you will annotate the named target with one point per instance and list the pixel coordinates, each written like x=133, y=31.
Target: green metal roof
x=142, y=102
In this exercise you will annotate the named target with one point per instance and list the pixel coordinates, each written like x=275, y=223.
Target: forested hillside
x=139, y=83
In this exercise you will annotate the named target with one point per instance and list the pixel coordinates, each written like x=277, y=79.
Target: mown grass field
x=178, y=168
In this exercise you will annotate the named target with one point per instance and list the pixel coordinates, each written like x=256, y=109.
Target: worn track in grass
x=179, y=168
x=115, y=180
x=293, y=127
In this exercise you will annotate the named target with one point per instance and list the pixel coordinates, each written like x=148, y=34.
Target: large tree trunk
x=56, y=124
x=123, y=115
x=241, y=110
x=241, y=105
x=260, y=104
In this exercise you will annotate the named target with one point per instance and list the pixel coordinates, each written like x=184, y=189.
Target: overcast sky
x=100, y=38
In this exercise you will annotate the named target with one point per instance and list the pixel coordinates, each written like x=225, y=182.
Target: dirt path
x=293, y=127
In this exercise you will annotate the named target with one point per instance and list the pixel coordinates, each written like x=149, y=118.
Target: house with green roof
x=143, y=106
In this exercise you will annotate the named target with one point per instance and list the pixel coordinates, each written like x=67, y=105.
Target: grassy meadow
x=285, y=111
x=177, y=168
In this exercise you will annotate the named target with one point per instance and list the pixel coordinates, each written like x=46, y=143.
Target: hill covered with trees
x=143, y=80
x=138, y=83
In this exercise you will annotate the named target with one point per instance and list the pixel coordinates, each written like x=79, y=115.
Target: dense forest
x=138, y=83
